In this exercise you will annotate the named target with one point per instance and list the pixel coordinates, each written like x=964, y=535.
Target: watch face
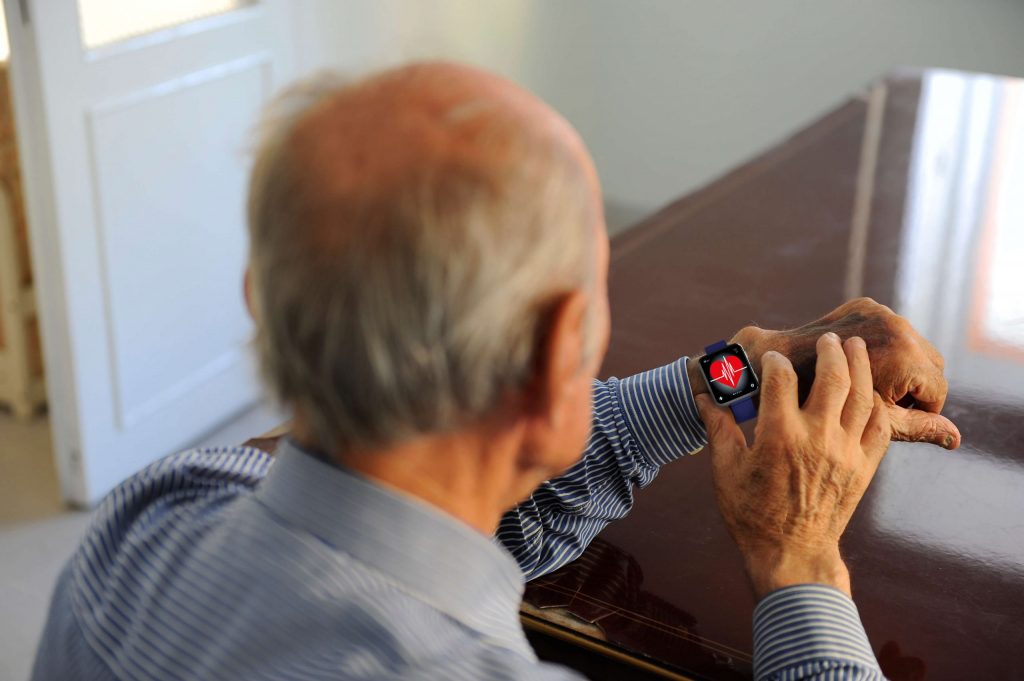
x=729, y=374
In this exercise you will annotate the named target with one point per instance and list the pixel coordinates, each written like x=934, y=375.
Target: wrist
x=757, y=341
x=773, y=570
x=693, y=374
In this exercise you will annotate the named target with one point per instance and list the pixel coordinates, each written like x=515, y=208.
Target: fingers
x=929, y=387
x=778, y=387
x=861, y=399
x=831, y=379
x=929, y=390
x=877, y=431
x=914, y=425
x=723, y=432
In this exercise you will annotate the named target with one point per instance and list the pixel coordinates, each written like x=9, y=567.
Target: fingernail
x=948, y=442
x=832, y=337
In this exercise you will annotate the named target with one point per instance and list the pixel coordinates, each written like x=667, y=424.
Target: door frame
x=48, y=276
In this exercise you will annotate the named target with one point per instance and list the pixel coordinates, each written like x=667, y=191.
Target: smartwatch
x=730, y=378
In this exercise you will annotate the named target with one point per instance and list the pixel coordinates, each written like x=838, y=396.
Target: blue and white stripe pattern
x=811, y=631
x=640, y=423
x=231, y=564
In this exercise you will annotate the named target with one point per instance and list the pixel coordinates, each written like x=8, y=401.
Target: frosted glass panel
x=109, y=21
x=1003, y=252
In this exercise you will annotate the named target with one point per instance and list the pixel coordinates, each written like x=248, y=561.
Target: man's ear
x=250, y=302
x=560, y=355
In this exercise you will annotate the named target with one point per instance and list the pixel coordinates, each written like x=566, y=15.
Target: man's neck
x=468, y=475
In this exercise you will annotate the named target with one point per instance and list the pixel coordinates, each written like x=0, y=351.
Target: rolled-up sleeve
x=658, y=409
x=639, y=424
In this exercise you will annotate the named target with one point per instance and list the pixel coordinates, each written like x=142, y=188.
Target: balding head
x=409, y=233
x=373, y=135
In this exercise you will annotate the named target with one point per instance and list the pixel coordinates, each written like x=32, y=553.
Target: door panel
x=169, y=223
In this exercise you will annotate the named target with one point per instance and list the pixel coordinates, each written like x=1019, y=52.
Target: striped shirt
x=232, y=564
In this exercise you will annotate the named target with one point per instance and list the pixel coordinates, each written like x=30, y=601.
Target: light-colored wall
x=668, y=94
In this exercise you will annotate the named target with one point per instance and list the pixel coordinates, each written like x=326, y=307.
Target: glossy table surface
x=911, y=193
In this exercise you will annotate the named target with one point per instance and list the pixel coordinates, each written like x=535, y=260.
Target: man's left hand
x=906, y=369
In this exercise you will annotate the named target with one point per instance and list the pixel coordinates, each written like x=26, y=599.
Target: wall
x=669, y=94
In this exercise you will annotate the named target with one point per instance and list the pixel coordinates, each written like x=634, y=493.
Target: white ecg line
x=730, y=373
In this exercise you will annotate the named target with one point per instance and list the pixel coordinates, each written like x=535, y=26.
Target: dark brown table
x=911, y=193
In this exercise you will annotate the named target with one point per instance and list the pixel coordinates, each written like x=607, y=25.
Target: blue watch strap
x=743, y=410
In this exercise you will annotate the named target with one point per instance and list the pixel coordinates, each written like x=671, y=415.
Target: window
x=110, y=21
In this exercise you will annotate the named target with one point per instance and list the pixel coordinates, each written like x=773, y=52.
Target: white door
x=134, y=118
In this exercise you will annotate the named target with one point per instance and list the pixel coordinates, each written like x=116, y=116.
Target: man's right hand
x=788, y=498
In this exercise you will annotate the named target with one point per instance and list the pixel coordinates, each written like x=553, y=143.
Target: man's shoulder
x=140, y=537
x=207, y=468
x=179, y=488
x=187, y=476
x=165, y=507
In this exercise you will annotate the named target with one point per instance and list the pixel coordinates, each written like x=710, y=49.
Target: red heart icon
x=727, y=370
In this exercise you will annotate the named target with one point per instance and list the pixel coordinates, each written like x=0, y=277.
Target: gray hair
x=419, y=308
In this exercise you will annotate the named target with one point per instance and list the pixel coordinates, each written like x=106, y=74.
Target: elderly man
x=427, y=275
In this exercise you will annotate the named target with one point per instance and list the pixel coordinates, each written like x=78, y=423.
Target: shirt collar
x=429, y=554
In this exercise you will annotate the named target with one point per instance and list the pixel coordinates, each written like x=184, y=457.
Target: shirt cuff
x=660, y=413
x=808, y=630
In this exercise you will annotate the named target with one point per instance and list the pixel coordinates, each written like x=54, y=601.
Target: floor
x=38, y=533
